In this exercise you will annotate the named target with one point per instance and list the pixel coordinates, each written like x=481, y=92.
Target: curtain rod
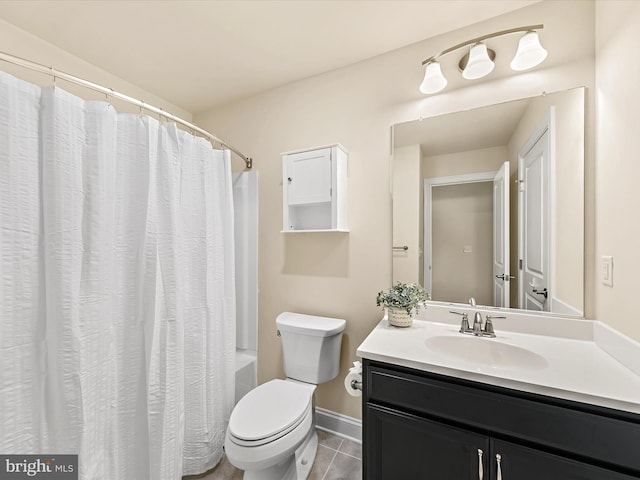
x=110, y=92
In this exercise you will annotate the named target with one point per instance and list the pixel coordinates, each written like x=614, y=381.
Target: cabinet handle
x=480, y=466
x=499, y=462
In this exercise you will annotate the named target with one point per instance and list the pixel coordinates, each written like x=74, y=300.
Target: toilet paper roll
x=352, y=390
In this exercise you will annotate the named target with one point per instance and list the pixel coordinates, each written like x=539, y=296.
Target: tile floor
x=337, y=459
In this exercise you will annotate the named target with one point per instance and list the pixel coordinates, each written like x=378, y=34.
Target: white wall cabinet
x=314, y=190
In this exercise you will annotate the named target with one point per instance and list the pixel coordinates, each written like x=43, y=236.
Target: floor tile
x=344, y=467
x=351, y=448
x=321, y=464
x=328, y=439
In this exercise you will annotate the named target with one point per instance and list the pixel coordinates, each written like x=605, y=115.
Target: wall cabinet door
x=403, y=446
x=308, y=176
x=510, y=461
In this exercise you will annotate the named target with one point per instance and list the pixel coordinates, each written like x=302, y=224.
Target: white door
x=501, y=237
x=534, y=224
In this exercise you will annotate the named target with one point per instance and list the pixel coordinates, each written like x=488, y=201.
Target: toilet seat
x=269, y=412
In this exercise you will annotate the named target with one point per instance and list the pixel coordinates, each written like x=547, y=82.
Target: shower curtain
x=117, y=328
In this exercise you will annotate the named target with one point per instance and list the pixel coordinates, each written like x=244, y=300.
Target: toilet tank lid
x=310, y=324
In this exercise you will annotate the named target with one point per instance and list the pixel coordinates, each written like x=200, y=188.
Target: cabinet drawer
x=557, y=425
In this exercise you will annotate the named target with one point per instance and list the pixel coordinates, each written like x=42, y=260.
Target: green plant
x=402, y=295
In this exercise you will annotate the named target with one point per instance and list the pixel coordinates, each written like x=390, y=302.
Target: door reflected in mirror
x=490, y=204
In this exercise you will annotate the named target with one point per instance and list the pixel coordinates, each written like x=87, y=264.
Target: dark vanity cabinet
x=420, y=426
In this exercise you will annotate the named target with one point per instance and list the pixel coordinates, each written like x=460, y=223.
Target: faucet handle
x=472, y=301
x=464, y=325
x=488, y=327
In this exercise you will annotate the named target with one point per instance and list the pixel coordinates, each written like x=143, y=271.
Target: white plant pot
x=398, y=317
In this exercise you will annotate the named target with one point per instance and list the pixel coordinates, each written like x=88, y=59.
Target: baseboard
x=338, y=424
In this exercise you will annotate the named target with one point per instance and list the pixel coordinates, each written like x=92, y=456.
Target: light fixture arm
x=473, y=41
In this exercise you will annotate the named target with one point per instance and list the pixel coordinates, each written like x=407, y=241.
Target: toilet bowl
x=271, y=433
x=270, y=429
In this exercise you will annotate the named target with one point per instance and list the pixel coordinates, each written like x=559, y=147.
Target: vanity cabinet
x=420, y=425
x=314, y=190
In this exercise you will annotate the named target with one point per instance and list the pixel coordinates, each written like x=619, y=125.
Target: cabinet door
x=308, y=177
x=402, y=446
x=516, y=462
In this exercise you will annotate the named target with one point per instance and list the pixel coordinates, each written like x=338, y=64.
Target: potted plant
x=401, y=301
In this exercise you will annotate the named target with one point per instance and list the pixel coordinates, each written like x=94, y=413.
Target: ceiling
x=475, y=129
x=199, y=54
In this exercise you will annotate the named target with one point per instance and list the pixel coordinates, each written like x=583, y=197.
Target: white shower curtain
x=117, y=328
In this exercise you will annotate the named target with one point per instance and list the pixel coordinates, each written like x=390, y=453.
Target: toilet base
x=285, y=470
x=296, y=467
x=306, y=455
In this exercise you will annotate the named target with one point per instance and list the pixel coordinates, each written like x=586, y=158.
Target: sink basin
x=486, y=352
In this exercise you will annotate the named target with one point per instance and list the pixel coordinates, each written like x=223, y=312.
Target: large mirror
x=489, y=203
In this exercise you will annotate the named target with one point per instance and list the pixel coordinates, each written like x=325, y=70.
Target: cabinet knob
x=289, y=179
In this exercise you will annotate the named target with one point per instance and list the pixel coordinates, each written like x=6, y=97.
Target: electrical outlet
x=607, y=271
x=466, y=249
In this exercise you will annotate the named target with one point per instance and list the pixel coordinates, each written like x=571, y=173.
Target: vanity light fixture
x=479, y=61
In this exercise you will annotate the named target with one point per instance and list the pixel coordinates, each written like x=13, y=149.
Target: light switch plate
x=607, y=270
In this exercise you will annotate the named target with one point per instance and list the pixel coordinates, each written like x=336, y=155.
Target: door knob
x=542, y=292
x=505, y=277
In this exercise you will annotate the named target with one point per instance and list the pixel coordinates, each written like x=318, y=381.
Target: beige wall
x=327, y=274
x=617, y=162
x=462, y=163
x=406, y=207
x=339, y=275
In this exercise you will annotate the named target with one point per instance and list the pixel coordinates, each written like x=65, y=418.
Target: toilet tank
x=310, y=346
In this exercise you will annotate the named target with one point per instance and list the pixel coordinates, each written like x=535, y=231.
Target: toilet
x=271, y=433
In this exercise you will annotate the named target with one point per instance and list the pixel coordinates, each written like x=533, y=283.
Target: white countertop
x=582, y=368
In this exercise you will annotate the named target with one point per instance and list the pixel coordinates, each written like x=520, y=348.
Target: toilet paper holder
x=353, y=380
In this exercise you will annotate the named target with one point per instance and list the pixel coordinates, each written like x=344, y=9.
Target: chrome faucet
x=477, y=324
x=477, y=329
